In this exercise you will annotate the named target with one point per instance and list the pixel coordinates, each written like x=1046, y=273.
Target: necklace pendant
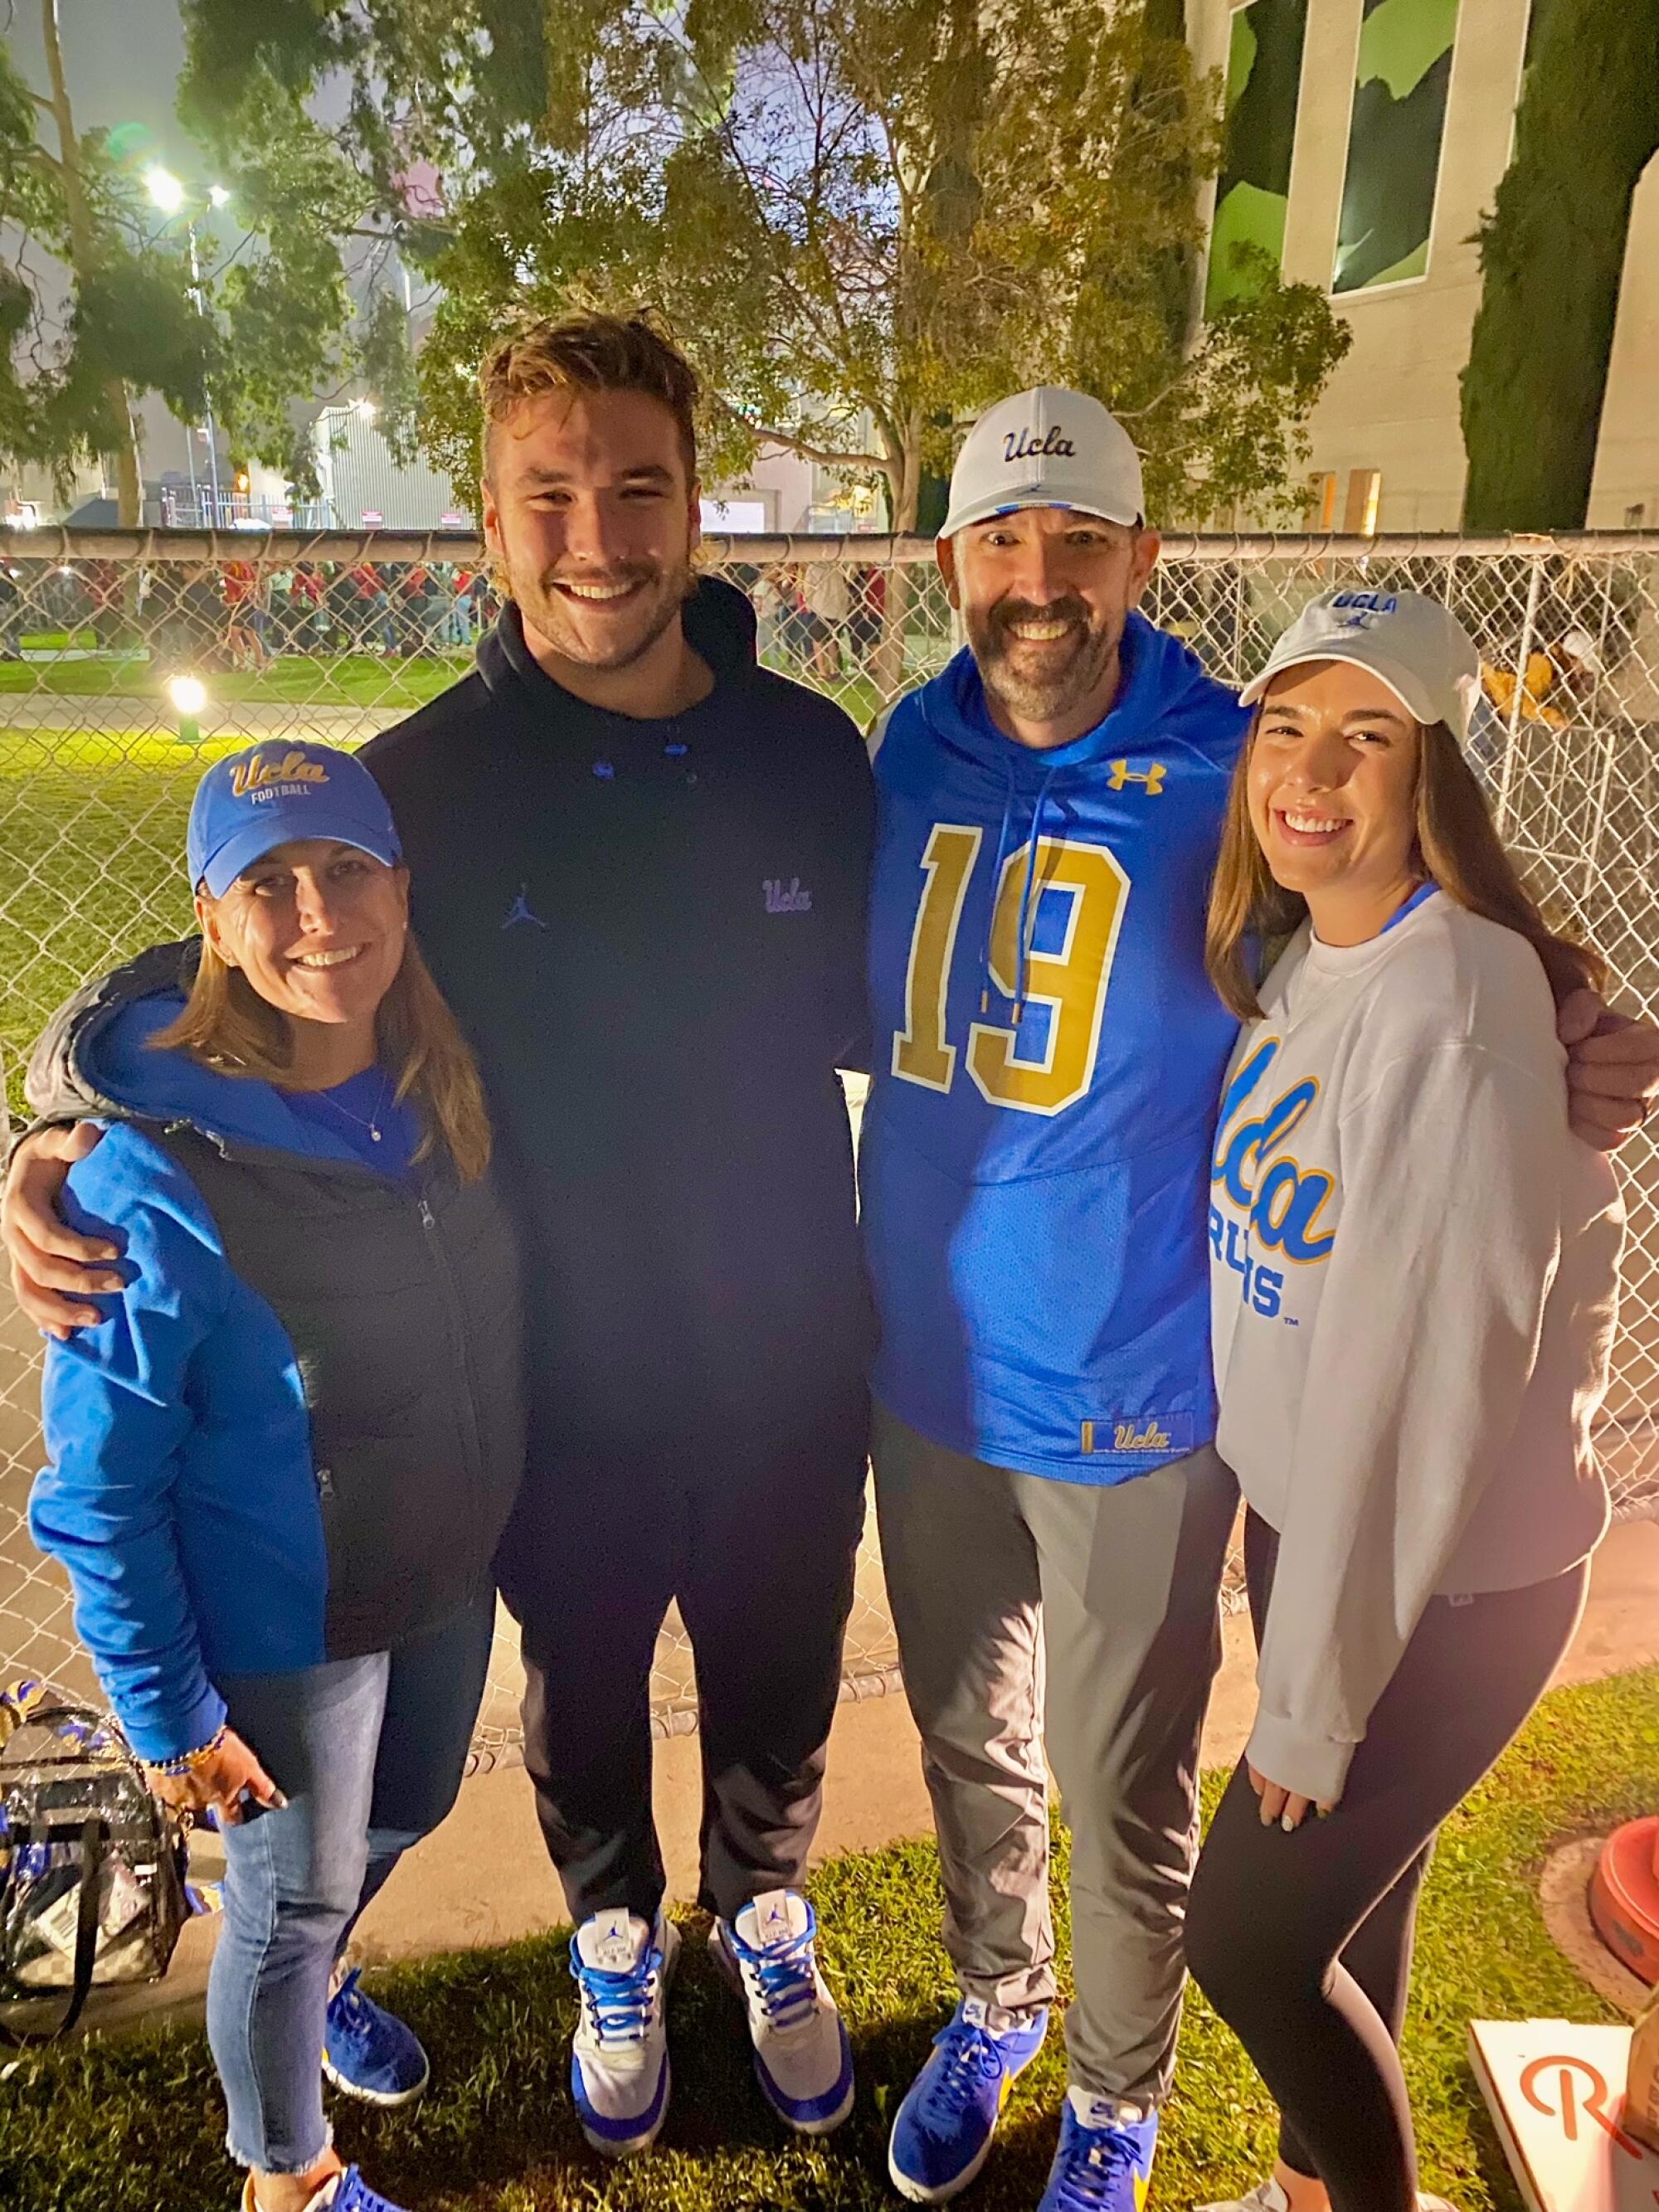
x=374, y=1132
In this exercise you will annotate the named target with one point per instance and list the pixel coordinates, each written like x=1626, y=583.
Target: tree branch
x=793, y=444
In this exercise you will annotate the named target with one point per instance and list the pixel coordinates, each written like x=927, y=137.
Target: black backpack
x=92, y=1865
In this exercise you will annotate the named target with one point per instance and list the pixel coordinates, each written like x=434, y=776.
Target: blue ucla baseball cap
x=274, y=792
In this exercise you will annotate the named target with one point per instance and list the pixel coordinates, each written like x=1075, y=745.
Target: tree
x=1552, y=259
x=864, y=219
x=262, y=326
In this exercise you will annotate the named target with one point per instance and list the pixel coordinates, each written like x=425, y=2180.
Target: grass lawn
x=134, y=2124
x=92, y=841
x=92, y=821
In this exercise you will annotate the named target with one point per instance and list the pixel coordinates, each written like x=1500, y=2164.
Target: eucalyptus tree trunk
x=84, y=258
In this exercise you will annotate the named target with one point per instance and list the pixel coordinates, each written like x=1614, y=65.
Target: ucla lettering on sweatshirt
x=1048, y=1054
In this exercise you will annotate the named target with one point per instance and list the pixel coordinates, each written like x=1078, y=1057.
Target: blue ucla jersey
x=1048, y=1053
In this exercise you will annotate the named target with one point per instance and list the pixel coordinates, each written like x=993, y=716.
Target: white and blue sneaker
x=368, y=2052
x=942, y=2131
x=803, y=2060
x=622, y=1966
x=1104, y=2160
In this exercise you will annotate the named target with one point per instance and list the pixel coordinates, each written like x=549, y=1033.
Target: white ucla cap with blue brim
x=1415, y=646
x=1047, y=448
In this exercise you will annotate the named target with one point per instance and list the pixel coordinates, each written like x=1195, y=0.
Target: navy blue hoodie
x=652, y=932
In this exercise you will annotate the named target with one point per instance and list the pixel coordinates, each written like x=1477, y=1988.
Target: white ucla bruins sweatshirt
x=1414, y=1271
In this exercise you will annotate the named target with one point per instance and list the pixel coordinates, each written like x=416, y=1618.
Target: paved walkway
x=122, y=712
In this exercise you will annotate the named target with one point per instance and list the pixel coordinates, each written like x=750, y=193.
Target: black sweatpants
x=1302, y=1942
x=758, y=1542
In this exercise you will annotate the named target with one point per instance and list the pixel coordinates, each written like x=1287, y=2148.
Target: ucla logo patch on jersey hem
x=1140, y=1432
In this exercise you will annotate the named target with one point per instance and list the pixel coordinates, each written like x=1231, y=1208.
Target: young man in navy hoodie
x=1048, y=1053
x=640, y=864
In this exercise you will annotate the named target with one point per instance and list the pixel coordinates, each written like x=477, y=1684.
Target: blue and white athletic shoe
x=368, y=2052
x=1104, y=2160
x=803, y=2060
x=621, y=1965
x=942, y=2134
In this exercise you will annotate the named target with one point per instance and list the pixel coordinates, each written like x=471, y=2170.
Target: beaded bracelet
x=191, y=1762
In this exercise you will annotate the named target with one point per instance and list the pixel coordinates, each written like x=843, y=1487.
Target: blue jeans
x=369, y=1753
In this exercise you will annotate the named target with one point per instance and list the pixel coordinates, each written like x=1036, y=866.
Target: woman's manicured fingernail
x=1288, y=1825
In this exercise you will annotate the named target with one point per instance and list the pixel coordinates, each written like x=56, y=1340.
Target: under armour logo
x=786, y=898
x=1122, y=774
x=520, y=911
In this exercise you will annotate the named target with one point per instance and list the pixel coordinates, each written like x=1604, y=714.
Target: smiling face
x=1044, y=594
x=317, y=927
x=1333, y=794
x=590, y=509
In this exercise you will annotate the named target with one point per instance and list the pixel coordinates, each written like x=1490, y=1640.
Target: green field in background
x=92, y=821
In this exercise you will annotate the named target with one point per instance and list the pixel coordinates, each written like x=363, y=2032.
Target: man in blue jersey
x=1035, y=1168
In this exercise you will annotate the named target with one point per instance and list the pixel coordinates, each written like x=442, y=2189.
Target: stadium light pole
x=168, y=193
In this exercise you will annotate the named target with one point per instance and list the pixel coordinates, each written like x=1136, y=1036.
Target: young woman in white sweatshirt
x=1413, y=1272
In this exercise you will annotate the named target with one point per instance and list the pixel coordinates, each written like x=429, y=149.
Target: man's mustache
x=1003, y=617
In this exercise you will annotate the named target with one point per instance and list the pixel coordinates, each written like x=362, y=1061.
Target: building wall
x=1625, y=491
x=364, y=488
x=1392, y=405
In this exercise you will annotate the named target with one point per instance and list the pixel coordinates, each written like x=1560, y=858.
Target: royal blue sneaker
x=619, y=2073
x=368, y=2052
x=942, y=2134
x=1104, y=2160
x=803, y=2060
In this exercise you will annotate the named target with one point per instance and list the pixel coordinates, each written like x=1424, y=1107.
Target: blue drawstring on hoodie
x=1028, y=904
x=996, y=879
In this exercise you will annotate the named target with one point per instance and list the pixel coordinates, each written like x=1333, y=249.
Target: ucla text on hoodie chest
x=1034, y=929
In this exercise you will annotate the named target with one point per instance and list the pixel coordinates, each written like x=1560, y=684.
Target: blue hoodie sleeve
x=116, y=1411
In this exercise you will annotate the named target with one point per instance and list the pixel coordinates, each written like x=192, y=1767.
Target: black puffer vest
x=403, y=1306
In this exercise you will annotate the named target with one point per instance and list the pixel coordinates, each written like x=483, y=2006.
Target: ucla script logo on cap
x=262, y=775
x=1045, y=448
x=274, y=795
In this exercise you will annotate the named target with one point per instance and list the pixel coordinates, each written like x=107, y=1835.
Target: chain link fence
x=128, y=660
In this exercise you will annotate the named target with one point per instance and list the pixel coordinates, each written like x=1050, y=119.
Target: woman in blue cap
x=280, y=1464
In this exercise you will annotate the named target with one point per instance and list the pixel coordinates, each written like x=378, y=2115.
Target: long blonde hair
x=1457, y=847
x=229, y=1028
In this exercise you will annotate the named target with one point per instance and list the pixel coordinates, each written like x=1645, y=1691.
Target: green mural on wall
x=1395, y=138
x=1264, y=73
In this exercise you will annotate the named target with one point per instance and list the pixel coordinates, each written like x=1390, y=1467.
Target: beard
x=595, y=637
x=1047, y=681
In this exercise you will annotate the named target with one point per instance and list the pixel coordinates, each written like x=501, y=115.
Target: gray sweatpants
x=1036, y=1614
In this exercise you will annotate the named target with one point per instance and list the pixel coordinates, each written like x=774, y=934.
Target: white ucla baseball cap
x=1413, y=644
x=1050, y=448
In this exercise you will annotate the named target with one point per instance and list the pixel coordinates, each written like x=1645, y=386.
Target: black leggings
x=1302, y=1942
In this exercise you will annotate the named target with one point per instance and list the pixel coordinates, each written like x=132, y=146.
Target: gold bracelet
x=191, y=1762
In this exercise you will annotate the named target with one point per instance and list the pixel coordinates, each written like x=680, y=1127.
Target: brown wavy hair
x=589, y=353
x=229, y=1028
x=1457, y=847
